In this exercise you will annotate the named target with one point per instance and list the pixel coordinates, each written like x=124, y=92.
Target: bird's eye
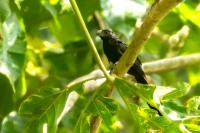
x=107, y=31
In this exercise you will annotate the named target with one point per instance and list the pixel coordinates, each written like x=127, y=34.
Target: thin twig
x=99, y=20
x=95, y=124
x=171, y=63
x=96, y=120
x=177, y=41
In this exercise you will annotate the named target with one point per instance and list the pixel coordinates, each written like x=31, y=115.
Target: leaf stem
x=134, y=117
x=86, y=107
x=89, y=39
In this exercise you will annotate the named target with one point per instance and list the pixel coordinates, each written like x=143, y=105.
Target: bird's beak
x=99, y=32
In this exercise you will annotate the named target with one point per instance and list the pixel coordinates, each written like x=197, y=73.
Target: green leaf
x=181, y=89
x=171, y=19
x=189, y=13
x=174, y=109
x=35, y=14
x=84, y=128
x=43, y=107
x=49, y=7
x=166, y=125
x=76, y=55
x=110, y=104
x=88, y=108
x=191, y=122
x=161, y=91
x=165, y=93
x=4, y=10
x=69, y=30
x=104, y=113
x=71, y=118
x=86, y=12
x=83, y=125
x=130, y=89
x=137, y=123
x=105, y=108
x=52, y=9
x=6, y=96
x=13, y=123
x=13, y=50
x=193, y=104
x=194, y=75
x=193, y=128
x=127, y=90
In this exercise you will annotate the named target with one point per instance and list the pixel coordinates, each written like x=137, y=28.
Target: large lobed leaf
x=12, y=54
x=174, y=114
x=43, y=108
x=12, y=61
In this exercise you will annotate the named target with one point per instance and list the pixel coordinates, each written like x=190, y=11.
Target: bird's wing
x=121, y=46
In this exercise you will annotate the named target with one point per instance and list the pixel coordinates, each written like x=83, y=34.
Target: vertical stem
x=89, y=39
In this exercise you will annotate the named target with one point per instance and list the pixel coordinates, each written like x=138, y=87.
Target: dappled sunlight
x=127, y=66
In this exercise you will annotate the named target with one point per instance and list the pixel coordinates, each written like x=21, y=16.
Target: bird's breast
x=111, y=52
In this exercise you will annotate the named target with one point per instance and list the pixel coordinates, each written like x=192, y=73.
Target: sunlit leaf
x=130, y=89
x=193, y=104
x=189, y=13
x=181, y=90
x=13, y=51
x=163, y=93
x=166, y=125
x=57, y=53
x=193, y=128
x=52, y=10
x=174, y=110
x=194, y=76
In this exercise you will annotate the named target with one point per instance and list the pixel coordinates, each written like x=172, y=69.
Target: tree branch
x=171, y=63
x=157, y=12
x=155, y=15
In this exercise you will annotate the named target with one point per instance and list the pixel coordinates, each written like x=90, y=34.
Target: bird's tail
x=140, y=77
x=139, y=74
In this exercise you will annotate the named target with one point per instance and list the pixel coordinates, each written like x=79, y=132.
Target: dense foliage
x=48, y=77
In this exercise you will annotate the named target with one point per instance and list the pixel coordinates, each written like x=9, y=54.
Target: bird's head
x=106, y=33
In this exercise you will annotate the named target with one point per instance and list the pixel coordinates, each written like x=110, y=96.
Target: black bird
x=114, y=49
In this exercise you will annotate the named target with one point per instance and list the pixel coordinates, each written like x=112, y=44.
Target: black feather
x=114, y=49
